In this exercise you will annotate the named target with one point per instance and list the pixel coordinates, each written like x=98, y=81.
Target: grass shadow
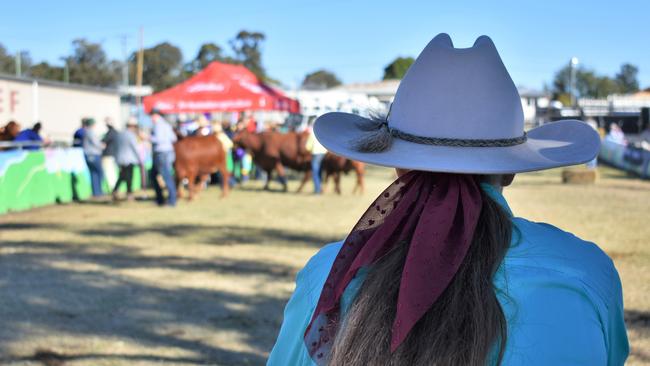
x=100, y=302
x=212, y=234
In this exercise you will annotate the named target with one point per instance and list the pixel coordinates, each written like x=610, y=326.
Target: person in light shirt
x=318, y=152
x=616, y=134
x=162, y=141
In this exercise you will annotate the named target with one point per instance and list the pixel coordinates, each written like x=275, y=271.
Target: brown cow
x=333, y=165
x=272, y=151
x=9, y=131
x=198, y=157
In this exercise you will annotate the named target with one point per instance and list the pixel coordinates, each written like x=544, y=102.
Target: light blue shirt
x=162, y=136
x=561, y=296
x=126, y=148
x=92, y=144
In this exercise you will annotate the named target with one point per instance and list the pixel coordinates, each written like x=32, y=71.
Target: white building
x=531, y=102
x=317, y=102
x=59, y=106
x=615, y=103
x=384, y=91
x=377, y=96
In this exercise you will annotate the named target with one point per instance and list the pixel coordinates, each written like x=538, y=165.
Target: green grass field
x=206, y=282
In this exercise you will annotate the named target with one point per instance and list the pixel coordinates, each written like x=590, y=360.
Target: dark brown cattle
x=9, y=132
x=198, y=157
x=272, y=151
x=333, y=165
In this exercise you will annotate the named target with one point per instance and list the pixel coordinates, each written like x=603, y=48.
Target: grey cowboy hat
x=458, y=111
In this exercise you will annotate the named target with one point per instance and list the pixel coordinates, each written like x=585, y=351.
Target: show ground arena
x=205, y=283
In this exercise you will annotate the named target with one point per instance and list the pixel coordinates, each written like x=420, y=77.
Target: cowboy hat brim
x=556, y=144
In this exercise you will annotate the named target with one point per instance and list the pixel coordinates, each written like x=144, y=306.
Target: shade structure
x=221, y=87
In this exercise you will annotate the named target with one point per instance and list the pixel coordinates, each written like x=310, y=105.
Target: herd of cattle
x=199, y=156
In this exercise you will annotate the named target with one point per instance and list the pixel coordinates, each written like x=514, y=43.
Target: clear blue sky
x=354, y=39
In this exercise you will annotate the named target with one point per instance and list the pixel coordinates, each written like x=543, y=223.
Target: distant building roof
x=378, y=88
x=388, y=88
x=643, y=94
x=525, y=92
x=58, y=84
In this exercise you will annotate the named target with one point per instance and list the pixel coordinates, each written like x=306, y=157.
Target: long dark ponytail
x=465, y=326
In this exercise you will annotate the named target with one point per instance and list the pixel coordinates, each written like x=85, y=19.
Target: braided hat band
x=378, y=137
x=444, y=141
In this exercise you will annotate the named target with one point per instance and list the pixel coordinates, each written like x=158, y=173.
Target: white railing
x=21, y=145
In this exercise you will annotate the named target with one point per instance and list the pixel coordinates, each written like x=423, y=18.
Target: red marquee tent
x=221, y=87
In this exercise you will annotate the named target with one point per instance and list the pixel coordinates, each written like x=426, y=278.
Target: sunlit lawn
x=205, y=283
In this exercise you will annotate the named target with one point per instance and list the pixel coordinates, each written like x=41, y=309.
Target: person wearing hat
x=109, y=166
x=78, y=136
x=438, y=270
x=127, y=157
x=31, y=136
x=162, y=141
x=93, y=147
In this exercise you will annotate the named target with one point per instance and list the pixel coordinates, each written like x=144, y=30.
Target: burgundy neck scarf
x=436, y=213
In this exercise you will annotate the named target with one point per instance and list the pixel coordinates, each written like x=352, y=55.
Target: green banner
x=44, y=177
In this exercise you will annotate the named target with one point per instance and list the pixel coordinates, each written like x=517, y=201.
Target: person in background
x=249, y=121
x=32, y=136
x=616, y=134
x=226, y=142
x=77, y=141
x=204, y=126
x=318, y=152
x=92, y=146
x=238, y=155
x=223, y=137
x=187, y=126
x=162, y=141
x=127, y=157
x=228, y=129
x=78, y=137
x=108, y=155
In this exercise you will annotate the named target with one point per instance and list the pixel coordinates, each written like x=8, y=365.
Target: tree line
x=589, y=84
x=324, y=79
x=163, y=64
x=164, y=67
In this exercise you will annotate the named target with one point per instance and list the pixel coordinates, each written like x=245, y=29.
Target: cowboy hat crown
x=464, y=92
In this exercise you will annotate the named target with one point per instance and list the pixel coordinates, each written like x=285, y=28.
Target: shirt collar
x=494, y=193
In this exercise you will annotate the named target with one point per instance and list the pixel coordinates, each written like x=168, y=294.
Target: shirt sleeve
x=289, y=348
x=133, y=145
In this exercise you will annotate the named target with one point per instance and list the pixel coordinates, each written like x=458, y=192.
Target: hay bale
x=579, y=176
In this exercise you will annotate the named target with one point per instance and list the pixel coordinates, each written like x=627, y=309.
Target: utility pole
x=574, y=64
x=125, y=65
x=140, y=66
x=66, y=72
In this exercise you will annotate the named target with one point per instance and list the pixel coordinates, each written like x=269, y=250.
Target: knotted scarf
x=436, y=214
